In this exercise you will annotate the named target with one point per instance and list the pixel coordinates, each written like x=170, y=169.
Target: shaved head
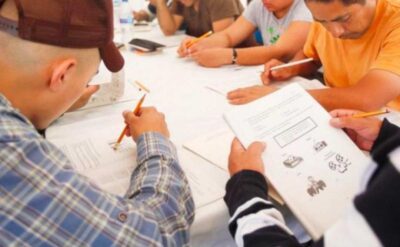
x=42, y=80
x=30, y=55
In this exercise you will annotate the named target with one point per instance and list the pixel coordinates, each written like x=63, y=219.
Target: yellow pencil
x=370, y=114
x=141, y=86
x=194, y=41
x=136, y=112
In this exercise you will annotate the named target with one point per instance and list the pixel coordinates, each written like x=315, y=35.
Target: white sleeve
x=252, y=11
x=301, y=12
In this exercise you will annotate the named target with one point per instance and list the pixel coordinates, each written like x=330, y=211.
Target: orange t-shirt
x=346, y=62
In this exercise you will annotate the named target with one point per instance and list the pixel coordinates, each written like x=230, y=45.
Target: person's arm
x=169, y=23
x=283, y=74
x=254, y=219
x=373, y=91
x=286, y=48
x=231, y=36
x=141, y=15
x=65, y=208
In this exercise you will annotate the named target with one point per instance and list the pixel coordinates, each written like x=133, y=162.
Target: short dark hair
x=345, y=2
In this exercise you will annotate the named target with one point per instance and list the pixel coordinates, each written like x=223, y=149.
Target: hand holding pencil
x=361, y=127
x=190, y=45
x=275, y=70
x=147, y=120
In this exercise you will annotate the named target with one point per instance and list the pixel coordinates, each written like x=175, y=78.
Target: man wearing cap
x=49, y=50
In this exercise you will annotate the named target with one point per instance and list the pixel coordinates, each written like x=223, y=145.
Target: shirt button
x=122, y=217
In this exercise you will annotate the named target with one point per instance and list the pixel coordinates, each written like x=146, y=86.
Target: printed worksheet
x=87, y=137
x=313, y=166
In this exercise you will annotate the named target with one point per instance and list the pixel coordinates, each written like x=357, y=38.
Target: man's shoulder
x=395, y=4
x=14, y=126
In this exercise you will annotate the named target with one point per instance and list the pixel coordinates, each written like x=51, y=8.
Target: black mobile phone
x=145, y=45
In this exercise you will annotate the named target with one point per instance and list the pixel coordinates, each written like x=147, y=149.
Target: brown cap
x=67, y=23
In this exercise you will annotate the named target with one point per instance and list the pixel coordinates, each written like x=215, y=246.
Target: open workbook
x=313, y=166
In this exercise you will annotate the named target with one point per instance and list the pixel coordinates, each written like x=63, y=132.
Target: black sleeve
x=244, y=186
x=387, y=131
x=152, y=9
x=247, y=200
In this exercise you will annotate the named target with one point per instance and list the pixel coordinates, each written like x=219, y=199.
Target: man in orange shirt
x=357, y=42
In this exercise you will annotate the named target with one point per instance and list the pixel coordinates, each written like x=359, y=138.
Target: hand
x=182, y=50
x=85, y=97
x=277, y=75
x=250, y=159
x=213, y=58
x=245, y=95
x=363, y=131
x=140, y=15
x=149, y=120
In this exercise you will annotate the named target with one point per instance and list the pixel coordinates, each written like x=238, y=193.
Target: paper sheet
x=91, y=154
x=91, y=151
x=310, y=163
x=213, y=147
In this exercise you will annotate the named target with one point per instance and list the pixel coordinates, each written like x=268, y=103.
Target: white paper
x=91, y=152
x=86, y=137
x=315, y=167
x=213, y=147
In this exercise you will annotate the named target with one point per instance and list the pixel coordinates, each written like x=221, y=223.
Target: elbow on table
x=168, y=31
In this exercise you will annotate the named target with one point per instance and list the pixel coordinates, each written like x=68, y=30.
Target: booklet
x=313, y=166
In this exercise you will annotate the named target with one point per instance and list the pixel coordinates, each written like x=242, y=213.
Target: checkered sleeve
x=44, y=202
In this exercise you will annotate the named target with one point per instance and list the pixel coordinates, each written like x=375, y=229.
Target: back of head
x=50, y=50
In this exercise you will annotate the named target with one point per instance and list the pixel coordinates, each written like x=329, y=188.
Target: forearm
x=259, y=55
x=166, y=19
x=159, y=182
x=246, y=198
x=217, y=40
x=353, y=97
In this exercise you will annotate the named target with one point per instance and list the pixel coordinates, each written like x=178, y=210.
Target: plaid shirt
x=44, y=202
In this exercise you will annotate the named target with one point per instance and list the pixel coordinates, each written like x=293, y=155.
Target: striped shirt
x=373, y=219
x=44, y=202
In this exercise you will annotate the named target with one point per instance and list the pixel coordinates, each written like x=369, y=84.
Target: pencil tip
x=115, y=147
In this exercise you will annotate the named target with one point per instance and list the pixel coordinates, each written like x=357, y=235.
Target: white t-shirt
x=270, y=27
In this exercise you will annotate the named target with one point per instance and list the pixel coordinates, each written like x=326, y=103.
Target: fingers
x=257, y=148
x=343, y=113
x=239, y=96
x=236, y=146
x=268, y=76
x=183, y=51
x=245, y=95
x=349, y=123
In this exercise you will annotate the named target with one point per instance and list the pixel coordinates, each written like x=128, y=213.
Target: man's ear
x=61, y=72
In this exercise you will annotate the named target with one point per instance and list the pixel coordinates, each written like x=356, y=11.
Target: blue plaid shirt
x=44, y=202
